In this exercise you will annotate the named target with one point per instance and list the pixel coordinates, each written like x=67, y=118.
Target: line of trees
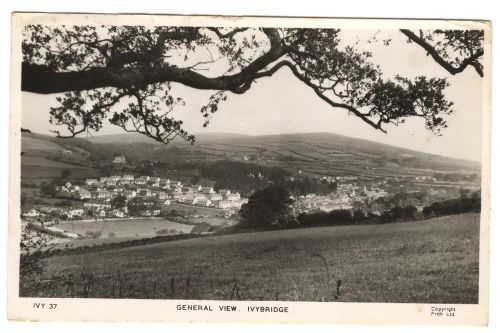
x=270, y=208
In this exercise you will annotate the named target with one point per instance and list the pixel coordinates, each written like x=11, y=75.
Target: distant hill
x=45, y=157
x=302, y=154
x=140, y=138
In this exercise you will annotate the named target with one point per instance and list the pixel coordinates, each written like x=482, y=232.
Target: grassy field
x=125, y=228
x=432, y=261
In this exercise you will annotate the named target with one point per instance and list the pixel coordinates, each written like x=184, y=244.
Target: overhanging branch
x=472, y=60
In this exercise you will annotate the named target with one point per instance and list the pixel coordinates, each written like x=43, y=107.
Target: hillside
x=45, y=157
x=415, y=262
x=307, y=154
x=311, y=154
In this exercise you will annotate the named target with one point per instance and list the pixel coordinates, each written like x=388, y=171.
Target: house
x=128, y=178
x=129, y=194
x=120, y=160
x=224, y=192
x=91, y=182
x=233, y=196
x=224, y=204
x=97, y=205
x=176, y=183
x=141, y=180
x=103, y=194
x=111, y=182
x=31, y=213
x=178, y=196
x=83, y=194
x=48, y=210
x=75, y=212
x=187, y=189
x=162, y=195
x=165, y=184
x=196, y=199
x=204, y=202
x=189, y=197
x=117, y=213
x=101, y=213
x=206, y=190
x=215, y=197
x=236, y=204
x=146, y=192
x=146, y=212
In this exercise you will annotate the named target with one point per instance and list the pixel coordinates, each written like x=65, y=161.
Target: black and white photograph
x=276, y=162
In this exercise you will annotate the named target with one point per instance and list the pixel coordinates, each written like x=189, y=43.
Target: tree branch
x=230, y=34
x=472, y=60
x=41, y=79
x=319, y=93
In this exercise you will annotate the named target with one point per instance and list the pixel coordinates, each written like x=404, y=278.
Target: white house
x=91, y=182
x=224, y=204
x=31, y=213
x=118, y=213
x=233, y=196
x=165, y=184
x=206, y=190
x=83, y=194
x=140, y=180
x=162, y=195
x=129, y=194
x=204, y=202
x=224, y=192
x=104, y=194
x=120, y=160
x=129, y=178
x=215, y=197
x=75, y=212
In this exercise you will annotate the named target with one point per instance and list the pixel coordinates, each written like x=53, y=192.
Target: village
x=100, y=198
x=126, y=195
x=113, y=196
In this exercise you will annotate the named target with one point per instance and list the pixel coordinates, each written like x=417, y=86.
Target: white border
x=363, y=10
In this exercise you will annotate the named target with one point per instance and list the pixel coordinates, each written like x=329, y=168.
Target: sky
x=283, y=104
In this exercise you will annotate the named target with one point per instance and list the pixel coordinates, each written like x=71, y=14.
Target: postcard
x=172, y=168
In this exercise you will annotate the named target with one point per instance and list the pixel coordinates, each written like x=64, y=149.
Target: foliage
x=454, y=50
x=455, y=206
x=457, y=177
x=332, y=218
x=406, y=213
x=126, y=73
x=137, y=205
x=35, y=246
x=119, y=201
x=241, y=176
x=49, y=189
x=266, y=208
x=306, y=185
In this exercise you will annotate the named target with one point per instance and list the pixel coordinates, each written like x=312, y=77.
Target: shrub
x=35, y=246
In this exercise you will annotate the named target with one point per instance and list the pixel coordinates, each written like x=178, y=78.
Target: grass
x=432, y=261
x=124, y=228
